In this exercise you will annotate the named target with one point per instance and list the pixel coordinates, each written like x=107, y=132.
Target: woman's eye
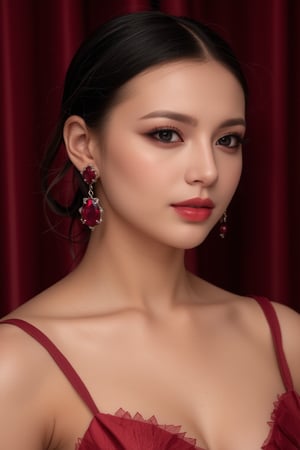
x=166, y=135
x=230, y=141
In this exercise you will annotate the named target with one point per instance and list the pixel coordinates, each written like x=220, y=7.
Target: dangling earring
x=91, y=211
x=223, y=226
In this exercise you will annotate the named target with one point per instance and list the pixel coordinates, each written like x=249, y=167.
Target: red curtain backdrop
x=261, y=253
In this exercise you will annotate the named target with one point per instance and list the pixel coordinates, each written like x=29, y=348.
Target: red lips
x=194, y=209
x=196, y=202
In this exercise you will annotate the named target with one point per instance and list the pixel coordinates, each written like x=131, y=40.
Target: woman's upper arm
x=21, y=418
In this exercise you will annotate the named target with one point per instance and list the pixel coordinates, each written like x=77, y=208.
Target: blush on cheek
x=135, y=168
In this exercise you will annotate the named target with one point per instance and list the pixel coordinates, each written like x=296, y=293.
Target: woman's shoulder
x=289, y=321
x=289, y=324
x=246, y=313
x=23, y=360
x=24, y=371
x=51, y=305
x=20, y=355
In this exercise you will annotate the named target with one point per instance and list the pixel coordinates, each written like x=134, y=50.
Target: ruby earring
x=91, y=211
x=223, y=226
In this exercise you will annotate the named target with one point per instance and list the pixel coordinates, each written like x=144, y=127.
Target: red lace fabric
x=121, y=431
x=285, y=423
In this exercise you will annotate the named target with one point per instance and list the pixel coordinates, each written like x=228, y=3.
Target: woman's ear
x=80, y=143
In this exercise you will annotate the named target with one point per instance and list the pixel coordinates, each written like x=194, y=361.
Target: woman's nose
x=201, y=167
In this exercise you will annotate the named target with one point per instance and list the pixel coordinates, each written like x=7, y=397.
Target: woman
x=153, y=120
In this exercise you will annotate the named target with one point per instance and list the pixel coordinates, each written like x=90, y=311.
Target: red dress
x=121, y=431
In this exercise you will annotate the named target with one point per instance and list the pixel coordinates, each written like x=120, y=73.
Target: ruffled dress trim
x=284, y=431
x=172, y=429
x=285, y=423
x=142, y=434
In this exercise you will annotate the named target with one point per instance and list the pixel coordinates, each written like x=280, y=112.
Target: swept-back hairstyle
x=115, y=53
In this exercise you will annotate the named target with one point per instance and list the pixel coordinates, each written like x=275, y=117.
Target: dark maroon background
x=261, y=252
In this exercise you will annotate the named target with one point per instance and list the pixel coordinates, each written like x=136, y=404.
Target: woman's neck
x=136, y=271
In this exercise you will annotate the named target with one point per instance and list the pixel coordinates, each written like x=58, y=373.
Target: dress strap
x=59, y=358
x=274, y=325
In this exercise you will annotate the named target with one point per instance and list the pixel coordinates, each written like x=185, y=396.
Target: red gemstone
x=223, y=230
x=90, y=212
x=89, y=175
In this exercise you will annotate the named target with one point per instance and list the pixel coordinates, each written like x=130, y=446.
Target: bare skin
x=142, y=332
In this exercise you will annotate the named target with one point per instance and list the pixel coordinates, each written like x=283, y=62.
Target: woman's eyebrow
x=173, y=115
x=232, y=122
x=185, y=118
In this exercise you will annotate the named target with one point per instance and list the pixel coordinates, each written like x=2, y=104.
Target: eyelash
x=172, y=130
x=239, y=138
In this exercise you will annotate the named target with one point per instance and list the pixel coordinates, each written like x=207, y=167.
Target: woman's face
x=174, y=137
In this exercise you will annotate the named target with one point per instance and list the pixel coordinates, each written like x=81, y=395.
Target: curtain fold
x=261, y=253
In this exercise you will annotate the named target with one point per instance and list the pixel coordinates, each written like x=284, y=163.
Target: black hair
x=115, y=53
